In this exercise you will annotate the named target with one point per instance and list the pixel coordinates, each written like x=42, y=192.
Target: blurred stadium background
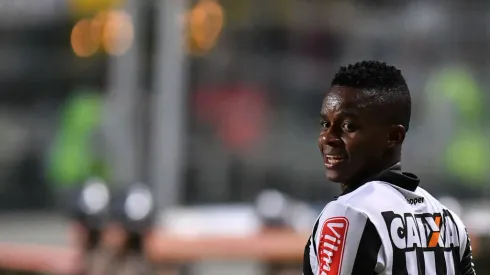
x=214, y=105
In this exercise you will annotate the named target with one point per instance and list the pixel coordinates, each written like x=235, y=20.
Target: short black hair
x=384, y=84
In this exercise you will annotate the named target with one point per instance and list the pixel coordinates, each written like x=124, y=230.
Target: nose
x=329, y=138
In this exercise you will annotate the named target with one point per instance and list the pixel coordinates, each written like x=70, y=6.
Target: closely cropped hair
x=384, y=84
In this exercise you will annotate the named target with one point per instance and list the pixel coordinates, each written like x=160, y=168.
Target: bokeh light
x=117, y=33
x=204, y=24
x=112, y=30
x=82, y=41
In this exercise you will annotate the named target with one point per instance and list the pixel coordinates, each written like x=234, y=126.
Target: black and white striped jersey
x=381, y=228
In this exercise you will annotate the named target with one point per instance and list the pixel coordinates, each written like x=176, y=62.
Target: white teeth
x=333, y=160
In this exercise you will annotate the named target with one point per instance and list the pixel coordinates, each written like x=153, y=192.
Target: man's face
x=353, y=138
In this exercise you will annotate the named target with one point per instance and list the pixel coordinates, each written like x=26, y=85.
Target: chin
x=339, y=175
x=334, y=176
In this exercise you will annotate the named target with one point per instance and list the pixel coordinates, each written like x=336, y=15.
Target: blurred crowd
x=253, y=99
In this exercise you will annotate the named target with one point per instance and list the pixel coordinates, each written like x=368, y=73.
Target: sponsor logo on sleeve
x=332, y=245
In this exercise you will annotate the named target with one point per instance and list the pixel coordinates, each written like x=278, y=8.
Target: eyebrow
x=349, y=112
x=346, y=113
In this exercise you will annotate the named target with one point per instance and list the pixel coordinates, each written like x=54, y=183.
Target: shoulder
x=438, y=204
x=450, y=217
x=359, y=205
x=340, y=209
x=340, y=219
x=372, y=196
x=339, y=215
x=346, y=239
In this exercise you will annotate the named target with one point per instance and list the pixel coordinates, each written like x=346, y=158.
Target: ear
x=396, y=135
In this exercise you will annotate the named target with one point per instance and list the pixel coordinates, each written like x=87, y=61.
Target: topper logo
x=332, y=244
x=414, y=201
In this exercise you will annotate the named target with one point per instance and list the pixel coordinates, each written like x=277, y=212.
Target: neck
x=343, y=186
x=370, y=172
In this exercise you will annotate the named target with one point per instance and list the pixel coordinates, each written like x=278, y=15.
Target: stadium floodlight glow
x=271, y=204
x=133, y=210
x=90, y=203
x=88, y=206
x=138, y=204
x=94, y=197
x=133, y=207
x=277, y=209
x=272, y=207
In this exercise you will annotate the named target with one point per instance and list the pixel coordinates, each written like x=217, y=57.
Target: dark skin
x=357, y=139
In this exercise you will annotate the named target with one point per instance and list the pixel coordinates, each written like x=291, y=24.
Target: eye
x=349, y=126
x=325, y=124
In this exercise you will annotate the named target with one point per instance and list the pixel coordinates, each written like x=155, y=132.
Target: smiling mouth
x=332, y=161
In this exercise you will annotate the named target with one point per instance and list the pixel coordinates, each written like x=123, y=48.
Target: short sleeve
x=345, y=242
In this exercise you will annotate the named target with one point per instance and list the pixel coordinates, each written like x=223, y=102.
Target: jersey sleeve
x=344, y=242
x=467, y=265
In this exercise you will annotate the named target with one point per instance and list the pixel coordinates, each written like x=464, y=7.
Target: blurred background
x=214, y=105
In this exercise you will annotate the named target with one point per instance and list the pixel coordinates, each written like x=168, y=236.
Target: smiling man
x=383, y=222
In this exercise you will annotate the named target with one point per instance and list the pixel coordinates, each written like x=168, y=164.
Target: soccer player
x=383, y=222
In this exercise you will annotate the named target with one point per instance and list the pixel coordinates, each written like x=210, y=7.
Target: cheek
x=321, y=140
x=362, y=147
x=354, y=143
x=374, y=147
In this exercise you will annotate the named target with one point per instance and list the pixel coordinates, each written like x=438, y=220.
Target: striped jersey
x=388, y=225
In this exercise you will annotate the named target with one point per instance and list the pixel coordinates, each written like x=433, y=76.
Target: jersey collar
x=392, y=175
